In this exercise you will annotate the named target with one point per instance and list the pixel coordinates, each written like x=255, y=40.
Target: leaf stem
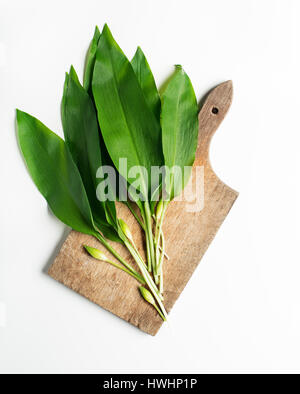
x=149, y=237
x=160, y=264
x=160, y=314
x=160, y=248
x=158, y=232
x=128, y=238
x=137, y=277
x=115, y=253
x=138, y=219
x=147, y=240
x=148, y=280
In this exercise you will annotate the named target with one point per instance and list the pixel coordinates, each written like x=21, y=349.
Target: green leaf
x=90, y=61
x=146, y=80
x=81, y=134
x=54, y=172
x=128, y=126
x=110, y=208
x=82, y=138
x=179, y=121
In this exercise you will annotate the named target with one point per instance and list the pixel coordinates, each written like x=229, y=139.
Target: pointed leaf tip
x=73, y=74
x=139, y=51
x=106, y=29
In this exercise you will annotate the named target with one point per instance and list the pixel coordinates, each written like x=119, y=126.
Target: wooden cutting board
x=188, y=231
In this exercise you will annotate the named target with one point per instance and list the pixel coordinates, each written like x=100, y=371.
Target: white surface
x=241, y=309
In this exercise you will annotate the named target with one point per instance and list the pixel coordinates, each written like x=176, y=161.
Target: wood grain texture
x=188, y=232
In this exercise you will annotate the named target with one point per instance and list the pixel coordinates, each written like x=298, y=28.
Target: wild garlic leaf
x=129, y=128
x=90, y=61
x=146, y=80
x=179, y=122
x=54, y=172
x=110, y=208
x=81, y=132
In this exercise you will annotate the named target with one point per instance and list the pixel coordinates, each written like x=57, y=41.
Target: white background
x=240, y=311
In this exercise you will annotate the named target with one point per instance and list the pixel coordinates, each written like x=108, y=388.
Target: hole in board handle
x=215, y=110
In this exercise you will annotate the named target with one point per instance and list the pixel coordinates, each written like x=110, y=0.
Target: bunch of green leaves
x=116, y=113
x=153, y=131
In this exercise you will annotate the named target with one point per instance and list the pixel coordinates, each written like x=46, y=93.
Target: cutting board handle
x=212, y=113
